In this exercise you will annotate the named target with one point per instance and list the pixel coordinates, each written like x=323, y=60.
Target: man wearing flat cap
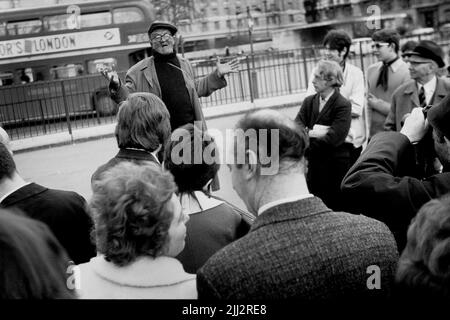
x=380, y=182
x=171, y=77
x=424, y=90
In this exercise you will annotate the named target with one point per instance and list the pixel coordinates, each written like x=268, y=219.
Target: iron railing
x=64, y=105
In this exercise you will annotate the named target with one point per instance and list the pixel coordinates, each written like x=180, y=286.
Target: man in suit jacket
x=143, y=128
x=381, y=184
x=327, y=115
x=296, y=247
x=171, y=78
x=64, y=212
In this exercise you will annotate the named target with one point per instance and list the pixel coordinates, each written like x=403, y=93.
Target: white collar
x=430, y=86
x=203, y=202
x=284, y=200
x=143, y=272
x=396, y=64
x=14, y=190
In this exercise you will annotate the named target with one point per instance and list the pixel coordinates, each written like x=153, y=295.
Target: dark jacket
x=329, y=158
x=209, y=231
x=305, y=251
x=379, y=186
x=65, y=214
x=131, y=155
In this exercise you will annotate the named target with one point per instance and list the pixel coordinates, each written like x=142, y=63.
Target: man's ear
x=251, y=167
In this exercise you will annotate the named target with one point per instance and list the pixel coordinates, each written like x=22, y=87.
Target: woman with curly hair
x=424, y=266
x=139, y=229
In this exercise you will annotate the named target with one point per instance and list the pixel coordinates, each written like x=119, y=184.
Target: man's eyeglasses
x=161, y=37
x=379, y=45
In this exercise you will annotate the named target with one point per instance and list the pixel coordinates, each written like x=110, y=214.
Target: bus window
x=96, y=19
x=2, y=28
x=56, y=23
x=66, y=71
x=94, y=65
x=127, y=15
x=34, y=3
x=6, y=78
x=24, y=27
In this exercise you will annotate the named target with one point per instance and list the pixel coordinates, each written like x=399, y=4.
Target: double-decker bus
x=53, y=39
x=44, y=41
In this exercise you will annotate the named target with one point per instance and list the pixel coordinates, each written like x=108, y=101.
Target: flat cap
x=162, y=25
x=427, y=49
x=439, y=116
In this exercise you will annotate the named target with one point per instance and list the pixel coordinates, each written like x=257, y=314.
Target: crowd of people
x=358, y=208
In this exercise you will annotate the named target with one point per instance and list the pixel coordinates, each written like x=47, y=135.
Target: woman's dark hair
x=192, y=157
x=33, y=265
x=338, y=40
x=131, y=211
x=143, y=122
x=424, y=265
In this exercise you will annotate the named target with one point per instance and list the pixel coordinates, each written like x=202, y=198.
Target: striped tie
x=422, y=98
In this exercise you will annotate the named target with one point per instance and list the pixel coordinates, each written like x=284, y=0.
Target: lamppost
x=254, y=82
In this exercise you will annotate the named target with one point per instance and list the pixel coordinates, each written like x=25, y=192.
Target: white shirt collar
x=327, y=97
x=429, y=87
x=13, y=190
x=281, y=201
x=396, y=64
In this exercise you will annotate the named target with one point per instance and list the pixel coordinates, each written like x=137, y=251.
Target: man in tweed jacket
x=297, y=247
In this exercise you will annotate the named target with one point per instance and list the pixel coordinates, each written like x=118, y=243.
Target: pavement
x=104, y=131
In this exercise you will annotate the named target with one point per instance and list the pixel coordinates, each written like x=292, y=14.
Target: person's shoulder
x=374, y=66
x=407, y=85
x=354, y=70
x=65, y=197
x=140, y=65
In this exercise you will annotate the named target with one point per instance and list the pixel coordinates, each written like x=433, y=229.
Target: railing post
x=250, y=80
x=66, y=108
x=361, y=56
x=305, y=67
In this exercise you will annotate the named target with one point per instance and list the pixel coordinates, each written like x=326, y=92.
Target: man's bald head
x=292, y=139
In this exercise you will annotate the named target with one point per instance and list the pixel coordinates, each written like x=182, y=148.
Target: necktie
x=383, y=77
x=422, y=98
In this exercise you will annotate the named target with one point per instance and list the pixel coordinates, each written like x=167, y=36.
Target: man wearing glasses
x=384, y=77
x=424, y=90
x=171, y=78
x=337, y=48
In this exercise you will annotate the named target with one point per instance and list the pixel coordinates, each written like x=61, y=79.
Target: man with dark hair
x=384, y=77
x=296, y=247
x=337, y=48
x=381, y=182
x=171, y=78
x=142, y=130
x=64, y=212
x=424, y=90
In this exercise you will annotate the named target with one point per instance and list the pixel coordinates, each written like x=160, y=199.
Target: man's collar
x=17, y=187
x=281, y=201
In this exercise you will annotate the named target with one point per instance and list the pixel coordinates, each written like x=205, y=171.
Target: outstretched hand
x=231, y=66
x=111, y=76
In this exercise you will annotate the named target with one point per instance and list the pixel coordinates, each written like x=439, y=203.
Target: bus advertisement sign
x=59, y=43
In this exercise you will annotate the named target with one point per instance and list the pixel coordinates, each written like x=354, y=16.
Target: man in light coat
x=171, y=77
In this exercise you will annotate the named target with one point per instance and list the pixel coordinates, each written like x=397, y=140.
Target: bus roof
x=51, y=6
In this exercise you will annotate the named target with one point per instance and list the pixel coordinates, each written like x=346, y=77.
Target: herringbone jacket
x=303, y=250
